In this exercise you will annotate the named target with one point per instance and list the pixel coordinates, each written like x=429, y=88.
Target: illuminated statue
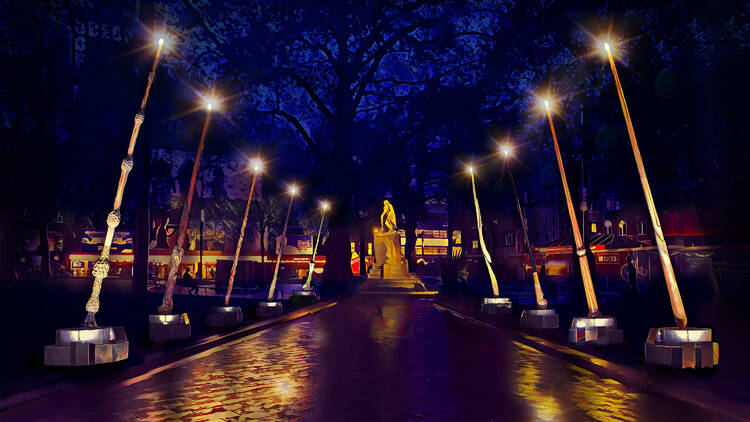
x=388, y=217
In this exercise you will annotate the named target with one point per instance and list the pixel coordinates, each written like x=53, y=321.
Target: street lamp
x=324, y=206
x=156, y=328
x=101, y=267
x=540, y=317
x=105, y=344
x=595, y=328
x=657, y=342
x=222, y=316
x=270, y=307
x=495, y=303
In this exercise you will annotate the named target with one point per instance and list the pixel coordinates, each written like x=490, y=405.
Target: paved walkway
x=365, y=359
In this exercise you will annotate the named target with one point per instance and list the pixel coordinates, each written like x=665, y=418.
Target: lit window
x=641, y=227
x=623, y=228
x=475, y=244
x=593, y=227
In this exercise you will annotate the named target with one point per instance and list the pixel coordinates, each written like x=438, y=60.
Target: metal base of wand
x=599, y=330
x=681, y=347
x=540, y=319
x=163, y=328
x=224, y=316
x=269, y=309
x=85, y=346
x=497, y=305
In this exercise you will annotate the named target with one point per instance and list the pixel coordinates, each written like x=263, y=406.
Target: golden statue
x=388, y=218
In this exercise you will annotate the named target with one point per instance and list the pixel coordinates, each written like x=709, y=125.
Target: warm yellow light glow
x=161, y=42
x=210, y=102
x=325, y=205
x=506, y=150
x=293, y=190
x=257, y=165
x=470, y=169
x=606, y=47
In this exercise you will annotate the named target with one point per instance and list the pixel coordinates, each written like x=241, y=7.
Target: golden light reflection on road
x=533, y=385
x=543, y=385
x=262, y=377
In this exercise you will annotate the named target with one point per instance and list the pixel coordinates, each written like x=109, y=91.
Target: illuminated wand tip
x=161, y=42
x=606, y=47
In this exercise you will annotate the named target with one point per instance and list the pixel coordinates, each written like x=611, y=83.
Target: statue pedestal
x=390, y=272
x=540, y=319
x=224, y=316
x=600, y=330
x=681, y=347
x=163, y=328
x=84, y=346
x=388, y=260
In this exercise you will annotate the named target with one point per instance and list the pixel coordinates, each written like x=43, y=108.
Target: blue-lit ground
x=366, y=359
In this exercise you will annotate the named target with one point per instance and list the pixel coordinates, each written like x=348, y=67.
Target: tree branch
x=310, y=91
x=297, y=125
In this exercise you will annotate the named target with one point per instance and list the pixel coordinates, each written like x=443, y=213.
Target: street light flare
x=505, y=150
x=211, y=102
x=257, y=165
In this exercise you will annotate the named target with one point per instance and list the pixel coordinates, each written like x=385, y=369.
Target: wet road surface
x=368, y=359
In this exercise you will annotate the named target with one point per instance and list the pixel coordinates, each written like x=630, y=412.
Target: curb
x=703, y=398
x=156, y=362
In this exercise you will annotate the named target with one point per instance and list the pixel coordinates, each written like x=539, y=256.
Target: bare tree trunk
x=45, y=273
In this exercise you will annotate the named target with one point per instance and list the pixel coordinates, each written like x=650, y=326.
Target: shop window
x=593, y=227
x=623, y=228
x=641, y=227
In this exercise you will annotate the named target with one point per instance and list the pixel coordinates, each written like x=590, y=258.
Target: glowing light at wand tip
x=470, y=169
x=161, y=42
x=257, y=165
x=505, y=150
x=293, y=190
x=606, y=47
x=210, y=103
x=325, y=205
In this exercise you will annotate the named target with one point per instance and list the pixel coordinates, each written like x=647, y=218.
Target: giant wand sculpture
x=167, y=304
x=101, y=267
x=257, y=169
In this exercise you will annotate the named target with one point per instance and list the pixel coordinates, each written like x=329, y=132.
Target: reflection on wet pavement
x=373, y=359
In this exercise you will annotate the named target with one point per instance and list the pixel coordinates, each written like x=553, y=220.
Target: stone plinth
x=600, y=330
x=224, y=316
x=83, y=346
x=163, y=328
x=540, y=319
x=497, y=305
x=269, y=309
x=388, y=260
x=681, y=347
